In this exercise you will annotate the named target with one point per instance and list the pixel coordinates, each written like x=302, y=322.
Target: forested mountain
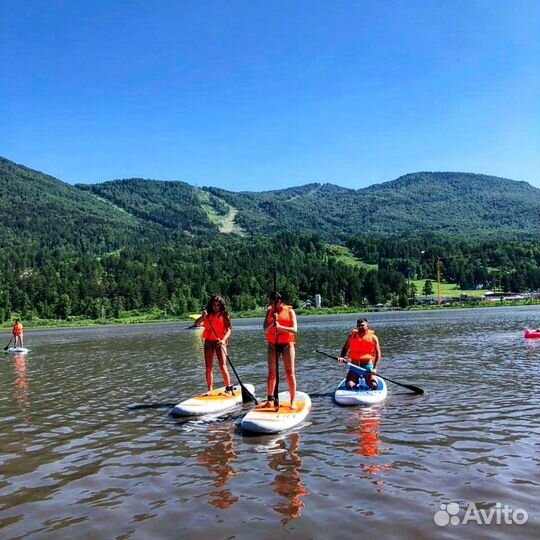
x=455, y=204
x=173, y=205
x=104, y=249
x=39, y=212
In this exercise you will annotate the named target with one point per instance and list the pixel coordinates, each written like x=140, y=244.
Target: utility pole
x=438, y=265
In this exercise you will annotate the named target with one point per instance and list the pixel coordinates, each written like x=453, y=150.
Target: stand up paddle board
x=209, y=403
x=263, y=419
x=20, y=350
x=360, y=394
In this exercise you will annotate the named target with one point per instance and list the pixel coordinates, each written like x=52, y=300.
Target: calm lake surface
x=88, y=449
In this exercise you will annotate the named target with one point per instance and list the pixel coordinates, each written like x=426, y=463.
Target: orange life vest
x=17, y=329
x=285, y=318
x=220, y=326
x=362, y=347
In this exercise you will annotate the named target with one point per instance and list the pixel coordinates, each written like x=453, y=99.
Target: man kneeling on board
x=364, y=350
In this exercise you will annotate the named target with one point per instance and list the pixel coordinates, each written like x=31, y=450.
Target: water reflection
x=364, y=426
x=218, y=456
x=532, y=348
x=288, y=482
x=21, y=386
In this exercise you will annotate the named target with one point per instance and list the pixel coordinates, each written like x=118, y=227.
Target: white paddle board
x=263, y=419
x=20, y=350
x=360, y=394
x=213, y=402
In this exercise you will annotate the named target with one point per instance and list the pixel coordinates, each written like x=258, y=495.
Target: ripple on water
x=77, y=461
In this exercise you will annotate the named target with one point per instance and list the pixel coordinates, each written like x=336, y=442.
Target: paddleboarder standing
x=18, y=332
x=280, y=327
x=217, y=329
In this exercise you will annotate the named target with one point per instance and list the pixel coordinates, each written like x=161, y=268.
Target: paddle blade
x=413, y=388
x=247, y=396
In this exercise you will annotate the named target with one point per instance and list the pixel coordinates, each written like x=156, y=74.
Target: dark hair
x=275, y=296
x=222, y=307
x=361, y=321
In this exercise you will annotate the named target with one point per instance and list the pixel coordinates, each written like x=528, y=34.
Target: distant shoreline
x=48, y=324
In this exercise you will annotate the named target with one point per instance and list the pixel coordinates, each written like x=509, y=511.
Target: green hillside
x=149, y=246
x=173, y=205
x=40, y=212
x=456, y=204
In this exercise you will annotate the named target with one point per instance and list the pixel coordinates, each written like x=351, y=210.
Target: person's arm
x=344, y=349
x=227, y=333
x=378, y=355
x=268, y=321
x=290, y=329
x=200, y=320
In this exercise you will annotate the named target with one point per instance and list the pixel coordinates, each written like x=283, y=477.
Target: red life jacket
x=220, y=326
x=285, y=318
x=362, y=347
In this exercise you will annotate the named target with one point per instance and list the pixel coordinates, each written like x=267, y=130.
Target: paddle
x=360, y=370
x=9, y=343
x=247, y=396
x=276, y=387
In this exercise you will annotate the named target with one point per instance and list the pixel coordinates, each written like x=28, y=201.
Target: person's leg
x=221, y=353
x=352, y=378
x=371, y=380
x=209, y=365
x=272, y=374
x=289, y=355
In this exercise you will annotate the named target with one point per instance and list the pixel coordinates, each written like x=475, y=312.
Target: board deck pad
x=213, y=402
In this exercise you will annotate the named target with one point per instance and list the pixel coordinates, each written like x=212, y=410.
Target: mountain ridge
x=448, y=203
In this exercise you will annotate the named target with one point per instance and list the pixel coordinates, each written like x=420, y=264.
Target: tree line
x=178, y=277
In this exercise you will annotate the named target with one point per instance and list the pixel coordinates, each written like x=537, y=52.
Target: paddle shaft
x=411, y=387
x=247, y=396
x=9, y=343
x=276, y=387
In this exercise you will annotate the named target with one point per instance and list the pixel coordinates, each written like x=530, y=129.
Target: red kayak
x=532, y=334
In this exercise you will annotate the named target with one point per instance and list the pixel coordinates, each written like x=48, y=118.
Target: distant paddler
x=18, y=334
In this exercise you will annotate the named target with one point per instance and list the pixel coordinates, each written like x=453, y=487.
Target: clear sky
x=266, y=94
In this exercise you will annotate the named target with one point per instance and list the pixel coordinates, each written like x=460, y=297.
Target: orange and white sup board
x=210, y=403
x=263, y=419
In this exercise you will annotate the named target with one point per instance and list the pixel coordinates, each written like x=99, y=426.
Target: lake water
x=88, y=449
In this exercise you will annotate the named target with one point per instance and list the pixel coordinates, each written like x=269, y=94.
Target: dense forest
x=104, y=250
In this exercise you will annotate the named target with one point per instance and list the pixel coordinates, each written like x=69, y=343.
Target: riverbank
x=158, y=316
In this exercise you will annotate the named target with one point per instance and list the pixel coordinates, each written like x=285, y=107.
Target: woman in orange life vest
x=364, y=351
x=217, y=329
x=18, y=334
x=280, y=327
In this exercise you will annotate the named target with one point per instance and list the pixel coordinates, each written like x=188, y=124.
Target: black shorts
x=280, y=347
x=210, y=344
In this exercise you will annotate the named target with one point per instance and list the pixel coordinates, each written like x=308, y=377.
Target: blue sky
x=258, y=95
